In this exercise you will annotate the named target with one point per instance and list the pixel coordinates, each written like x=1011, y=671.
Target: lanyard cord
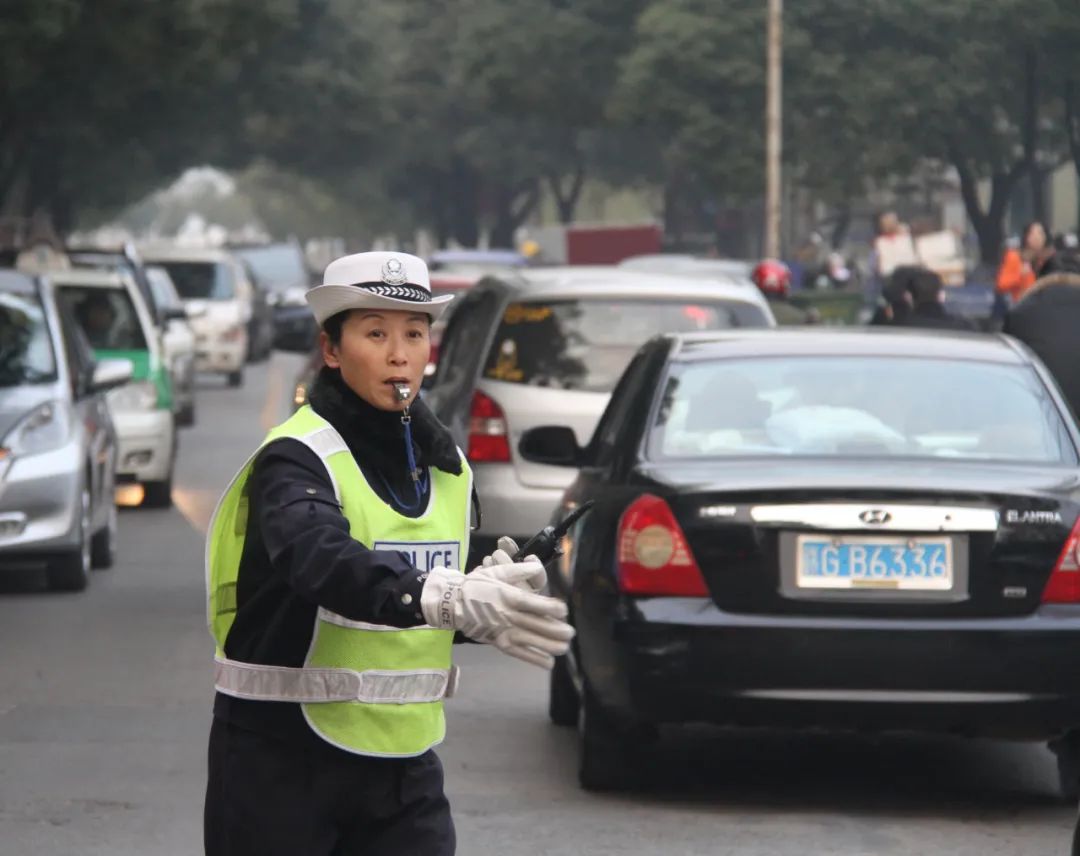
x=419, y=480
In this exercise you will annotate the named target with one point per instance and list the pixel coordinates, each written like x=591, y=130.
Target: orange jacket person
x=1018, y=269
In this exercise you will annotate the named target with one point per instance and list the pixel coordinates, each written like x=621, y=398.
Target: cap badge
x=393, y=272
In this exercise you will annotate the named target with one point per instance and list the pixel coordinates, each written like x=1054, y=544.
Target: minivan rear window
x=201, y=280
x=585, y=344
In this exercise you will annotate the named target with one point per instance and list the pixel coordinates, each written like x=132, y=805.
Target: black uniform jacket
x=298, y=554
x=1047, y=320
x=934, y=316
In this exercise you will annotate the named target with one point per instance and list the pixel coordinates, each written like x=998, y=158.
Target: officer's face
x=377, y=350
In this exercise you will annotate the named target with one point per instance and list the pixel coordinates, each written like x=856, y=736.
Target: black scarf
x=376, y=437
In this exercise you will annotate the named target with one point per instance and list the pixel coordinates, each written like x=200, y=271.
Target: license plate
x=852, y=562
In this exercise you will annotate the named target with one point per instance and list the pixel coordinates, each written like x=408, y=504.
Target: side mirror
x=176, y=313
x=551, y=444
x=109, y=374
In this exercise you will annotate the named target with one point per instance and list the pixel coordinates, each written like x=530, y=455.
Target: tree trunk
x=464, y=204
x=566, y=203
x=1031, y=136
x=513, y=205
x=989, y=225
x=840, y=228
x=1072, y=128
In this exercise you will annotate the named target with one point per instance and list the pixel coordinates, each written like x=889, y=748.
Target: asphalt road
x=105, y=704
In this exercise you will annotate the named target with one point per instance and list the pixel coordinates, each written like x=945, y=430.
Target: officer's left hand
x=507, y=548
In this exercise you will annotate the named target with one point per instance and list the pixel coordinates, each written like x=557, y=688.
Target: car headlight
x=140, y=395
x=45, y=428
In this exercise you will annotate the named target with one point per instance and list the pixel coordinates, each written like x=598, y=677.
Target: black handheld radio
x=545, y=543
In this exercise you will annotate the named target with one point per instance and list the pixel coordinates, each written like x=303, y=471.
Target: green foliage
x=454, y=114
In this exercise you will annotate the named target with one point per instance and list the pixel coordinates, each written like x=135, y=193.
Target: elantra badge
x=1045, y=518
x=875, y=517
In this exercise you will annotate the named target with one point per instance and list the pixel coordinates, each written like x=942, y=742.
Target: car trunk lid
x=761, y=533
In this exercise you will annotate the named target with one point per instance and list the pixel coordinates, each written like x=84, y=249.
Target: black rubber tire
x=1066, y=751
x=563, y=699
x=235, y=379
x=604, y=755
x=103, y=544
x=157, y=494
x=186, y=416
x=70, y=570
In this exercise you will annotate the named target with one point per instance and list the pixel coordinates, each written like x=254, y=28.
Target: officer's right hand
x=528, y=574
x=520, y=623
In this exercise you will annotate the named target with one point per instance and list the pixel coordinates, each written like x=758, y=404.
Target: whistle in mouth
x=403, y=391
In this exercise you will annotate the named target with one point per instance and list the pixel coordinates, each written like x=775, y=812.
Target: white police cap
x=396, y=281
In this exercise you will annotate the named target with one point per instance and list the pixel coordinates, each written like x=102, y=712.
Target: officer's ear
x=329, y=351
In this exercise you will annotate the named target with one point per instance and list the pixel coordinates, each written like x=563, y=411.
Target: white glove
x=520, y=623
x=535, y=580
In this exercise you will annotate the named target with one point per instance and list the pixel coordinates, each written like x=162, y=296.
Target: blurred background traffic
x=792, y=294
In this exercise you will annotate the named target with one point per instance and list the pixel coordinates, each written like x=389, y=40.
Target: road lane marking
x=197, y=505
x=275, y=388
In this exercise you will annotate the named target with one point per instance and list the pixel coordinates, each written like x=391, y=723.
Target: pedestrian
x=773, y=279
x=335, y=591
x=893, y=247
x=897, y=298
x=1047, y=320
x=1019, y=265
x=928, y=305
x=1061, y=256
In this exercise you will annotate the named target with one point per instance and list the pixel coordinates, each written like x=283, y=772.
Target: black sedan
x=828, y=529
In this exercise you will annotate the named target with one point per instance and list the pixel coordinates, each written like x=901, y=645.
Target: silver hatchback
x=524, y=349
x=57, y=443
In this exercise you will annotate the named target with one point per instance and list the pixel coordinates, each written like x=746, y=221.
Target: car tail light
x=489, y=441
x=1064, y=583
x=653, y=556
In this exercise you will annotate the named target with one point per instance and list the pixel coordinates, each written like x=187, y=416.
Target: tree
x=101, y=102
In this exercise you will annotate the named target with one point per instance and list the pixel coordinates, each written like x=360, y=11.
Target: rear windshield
x=106, y=315
x=26, y=354
x=586, y=344
x=201, y=280
x=873, y=406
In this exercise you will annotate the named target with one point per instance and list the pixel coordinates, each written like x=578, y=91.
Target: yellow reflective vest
x=369, y=689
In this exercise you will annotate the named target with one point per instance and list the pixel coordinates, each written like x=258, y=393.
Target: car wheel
x=563, y=700
x=604, y=754
x=70, y=571
x=103, y=544
x=1066, y=750
x=235, y=378
x=158, y=494
x=186, y=416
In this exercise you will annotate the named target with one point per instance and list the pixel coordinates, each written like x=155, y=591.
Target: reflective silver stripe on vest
x=314, y=685
x=341, y=621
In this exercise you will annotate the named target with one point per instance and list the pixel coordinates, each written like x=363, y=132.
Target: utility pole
x=773, y=128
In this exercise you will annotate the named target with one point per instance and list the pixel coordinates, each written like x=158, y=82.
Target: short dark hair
x=332, y=325
x=926, y=287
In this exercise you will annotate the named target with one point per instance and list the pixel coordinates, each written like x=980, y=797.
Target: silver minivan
x=525, y=347
x=57, y=442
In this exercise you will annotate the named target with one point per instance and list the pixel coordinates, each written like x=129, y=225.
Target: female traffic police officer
x=334, y=593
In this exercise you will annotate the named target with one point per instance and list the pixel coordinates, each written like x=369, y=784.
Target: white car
x=178, y=344
x=218, y=295
x=526, y=345
x=112, y=313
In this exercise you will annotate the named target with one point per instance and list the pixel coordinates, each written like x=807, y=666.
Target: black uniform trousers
x=272, y=797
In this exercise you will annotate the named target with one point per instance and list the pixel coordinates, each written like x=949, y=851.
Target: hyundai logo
x=875, y=517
